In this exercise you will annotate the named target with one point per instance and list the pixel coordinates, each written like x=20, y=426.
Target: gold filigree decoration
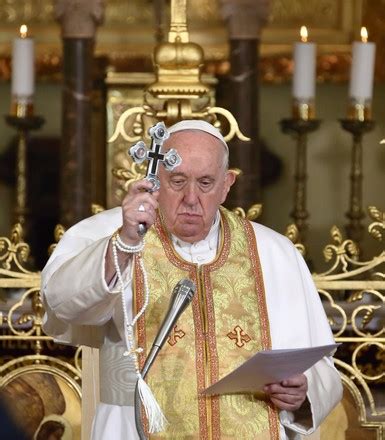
x=19, y=321
x=22, y=337
x=95, y=208
x=143, y=113
x=131, y=174
x=233, y=124
x=120, y=128
x=78, y=360
x=352, y=293
x=236, y=171
x=178, y=91
x=14, y=252
x=345, y=252
x=363, y=315
x=345, y=262
x=339, y=323
x=377, y=228
x=252, y=213
x=357, y=367
x=292, y=233
x=58, y=234
x=349, y=381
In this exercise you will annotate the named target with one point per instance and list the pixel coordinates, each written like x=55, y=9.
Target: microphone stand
x=181, y=297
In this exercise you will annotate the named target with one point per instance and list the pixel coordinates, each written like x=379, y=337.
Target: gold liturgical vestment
x=225, y=325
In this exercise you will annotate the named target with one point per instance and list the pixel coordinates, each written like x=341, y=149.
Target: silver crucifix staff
x=170, y=159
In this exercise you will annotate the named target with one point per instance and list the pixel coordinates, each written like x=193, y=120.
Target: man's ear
x=230, y=179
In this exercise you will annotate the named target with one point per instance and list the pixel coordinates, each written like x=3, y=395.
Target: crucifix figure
x=170, y=159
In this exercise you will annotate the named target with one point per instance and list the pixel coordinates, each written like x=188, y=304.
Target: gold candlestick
x=303, y=109
x=355, y=214
x=360, y=110
x=300, y=128
x=21, y=106
x=23, y=124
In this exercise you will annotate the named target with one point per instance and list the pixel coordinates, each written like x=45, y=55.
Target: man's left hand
x=289, y=394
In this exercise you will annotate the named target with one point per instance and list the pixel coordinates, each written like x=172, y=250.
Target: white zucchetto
x=195, y=124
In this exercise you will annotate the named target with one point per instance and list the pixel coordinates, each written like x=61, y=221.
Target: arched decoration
x=40, y=381
x=43, y=395
x=352, y=291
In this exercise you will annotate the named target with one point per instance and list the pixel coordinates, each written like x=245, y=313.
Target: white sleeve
x=74, y=287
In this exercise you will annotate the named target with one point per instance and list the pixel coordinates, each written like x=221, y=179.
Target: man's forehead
x=188, y=173
x=198, y=159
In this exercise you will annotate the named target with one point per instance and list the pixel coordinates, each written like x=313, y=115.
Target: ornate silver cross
x=170, y=159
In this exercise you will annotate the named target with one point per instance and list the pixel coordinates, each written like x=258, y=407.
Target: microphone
x=181, y=297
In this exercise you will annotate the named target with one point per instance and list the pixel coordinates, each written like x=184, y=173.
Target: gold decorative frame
x=22, y=325
x=353, y=294
x=352, y=291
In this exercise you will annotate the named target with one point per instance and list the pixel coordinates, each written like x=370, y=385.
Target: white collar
x=210, y=241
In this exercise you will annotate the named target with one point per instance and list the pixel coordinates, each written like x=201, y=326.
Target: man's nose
x=190, y=194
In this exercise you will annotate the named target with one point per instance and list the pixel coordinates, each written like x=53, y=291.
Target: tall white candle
x=23, y=70
x=362, y=70
x=304, y=68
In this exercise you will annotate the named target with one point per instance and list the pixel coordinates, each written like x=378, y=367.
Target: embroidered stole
x=226, y=324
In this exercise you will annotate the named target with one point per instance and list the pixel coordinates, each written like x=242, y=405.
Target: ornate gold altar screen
x=39, y=380
x=352, y=291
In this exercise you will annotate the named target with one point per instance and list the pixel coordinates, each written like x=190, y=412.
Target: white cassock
x=82, y=309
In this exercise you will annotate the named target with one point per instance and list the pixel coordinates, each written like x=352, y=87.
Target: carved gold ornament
x=376, y=229
x=252, y=213
x=32, y=374
x=58, y=234
x=352, y=291
x=293, y=235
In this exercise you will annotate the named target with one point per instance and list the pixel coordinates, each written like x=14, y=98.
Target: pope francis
x=106, y=287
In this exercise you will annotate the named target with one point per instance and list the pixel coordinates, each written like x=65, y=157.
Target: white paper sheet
x=269, y=366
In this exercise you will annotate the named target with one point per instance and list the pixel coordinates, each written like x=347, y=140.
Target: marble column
x=245, y=20
x=78, y=20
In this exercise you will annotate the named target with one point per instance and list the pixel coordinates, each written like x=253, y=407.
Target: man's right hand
x=138, y=195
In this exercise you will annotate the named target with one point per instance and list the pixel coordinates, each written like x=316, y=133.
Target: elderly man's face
x=190, y=195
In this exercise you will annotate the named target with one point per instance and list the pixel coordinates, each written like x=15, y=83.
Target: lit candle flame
x=304, y=34
x=364, y=34
x=23, y=31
